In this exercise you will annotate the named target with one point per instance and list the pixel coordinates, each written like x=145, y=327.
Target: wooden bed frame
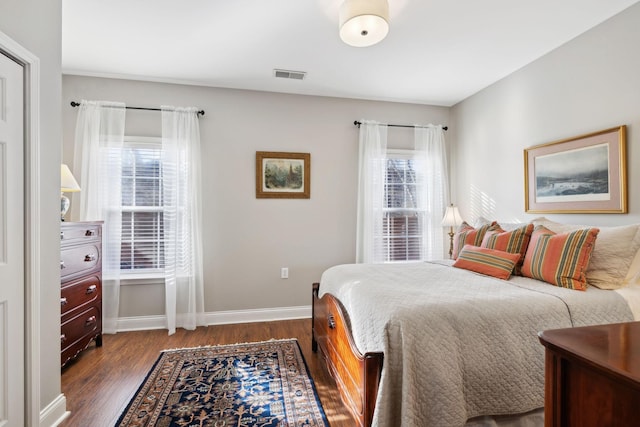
x=357, y=376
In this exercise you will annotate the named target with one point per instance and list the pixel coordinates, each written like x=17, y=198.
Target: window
x=401, y=196
x=403, y=218
x=142, y=245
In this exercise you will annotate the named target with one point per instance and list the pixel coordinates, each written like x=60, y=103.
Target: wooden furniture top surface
x=613, y=348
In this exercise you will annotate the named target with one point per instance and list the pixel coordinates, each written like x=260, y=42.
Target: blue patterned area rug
x=262, y=384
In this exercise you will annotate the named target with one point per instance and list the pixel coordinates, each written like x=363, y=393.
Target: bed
x=431, y=344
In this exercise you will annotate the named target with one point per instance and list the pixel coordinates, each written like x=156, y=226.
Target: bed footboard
x=357, y=376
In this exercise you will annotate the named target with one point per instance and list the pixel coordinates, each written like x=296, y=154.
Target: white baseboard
x=55, y=412
x=140, y=323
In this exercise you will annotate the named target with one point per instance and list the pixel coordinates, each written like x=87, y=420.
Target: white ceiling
x=437, y=51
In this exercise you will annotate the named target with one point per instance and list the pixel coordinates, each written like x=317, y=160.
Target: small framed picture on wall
x=282, y=175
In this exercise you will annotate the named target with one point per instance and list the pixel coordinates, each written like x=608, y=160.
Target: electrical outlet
x=284, y=273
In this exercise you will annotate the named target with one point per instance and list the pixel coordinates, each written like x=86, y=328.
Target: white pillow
x=480, y=221
x=615, y=260
x=506, y=226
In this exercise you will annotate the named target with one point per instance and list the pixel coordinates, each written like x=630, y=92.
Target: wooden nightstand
x=592, y=376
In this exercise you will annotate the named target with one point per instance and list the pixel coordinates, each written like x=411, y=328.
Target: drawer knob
x=89, y=233
x=331, y=321
x=89, y=257
x=91, y=289
x=63, y=301
x=63, y=338
x=61, y=235
x=62, y=265
x=90, y=321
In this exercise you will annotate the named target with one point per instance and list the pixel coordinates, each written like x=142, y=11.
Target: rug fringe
x=225, y=345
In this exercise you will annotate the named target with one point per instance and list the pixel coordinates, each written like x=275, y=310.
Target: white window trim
x=143, y=139
x=148, y=278
x=141, y=279
x=399, y=152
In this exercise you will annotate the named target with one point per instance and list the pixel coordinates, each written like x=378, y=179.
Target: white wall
x=36, y=25
x=589, y=84
x=248, y=240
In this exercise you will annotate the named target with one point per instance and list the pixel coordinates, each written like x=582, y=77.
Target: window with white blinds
x=403, y=218
x=142, y=246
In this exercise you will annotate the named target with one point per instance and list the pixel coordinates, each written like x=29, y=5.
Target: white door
x=11, y=244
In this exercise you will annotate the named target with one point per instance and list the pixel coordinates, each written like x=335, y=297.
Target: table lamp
x=68, y=184
x=451, y=219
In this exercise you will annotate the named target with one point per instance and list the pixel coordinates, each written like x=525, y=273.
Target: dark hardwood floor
x=100, y=382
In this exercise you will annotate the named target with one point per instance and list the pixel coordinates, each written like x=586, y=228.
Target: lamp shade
x=364, y=22
x=68, y=183
x=451, y=217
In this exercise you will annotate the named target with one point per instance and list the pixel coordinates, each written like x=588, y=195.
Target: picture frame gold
x=584, y=174
x=282, y=175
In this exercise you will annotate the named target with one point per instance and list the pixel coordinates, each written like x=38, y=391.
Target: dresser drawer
x=79, y=260
x=77, y=332
x=74, y=234
x=76, y=295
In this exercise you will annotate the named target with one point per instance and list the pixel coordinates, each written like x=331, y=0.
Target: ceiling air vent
x=288, y=74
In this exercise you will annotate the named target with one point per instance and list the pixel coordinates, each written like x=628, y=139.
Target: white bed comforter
x=458, y=344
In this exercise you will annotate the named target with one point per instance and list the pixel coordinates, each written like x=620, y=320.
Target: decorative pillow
x=560, y=259
x=515, y=241
x=491, y=262
x=615, y=261
x=467, y=235
x=633, y=275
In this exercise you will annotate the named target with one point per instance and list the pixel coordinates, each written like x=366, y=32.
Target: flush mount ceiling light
x=364, y=22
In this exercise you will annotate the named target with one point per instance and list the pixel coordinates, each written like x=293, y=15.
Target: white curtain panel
x=184, y=288
x=433, y=180
x=98, y=143
x=371, y=178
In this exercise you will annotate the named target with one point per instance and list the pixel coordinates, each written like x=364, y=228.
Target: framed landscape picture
x=283, y=175
x=586, y=174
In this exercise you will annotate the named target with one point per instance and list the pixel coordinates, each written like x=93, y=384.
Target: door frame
x=32, y=255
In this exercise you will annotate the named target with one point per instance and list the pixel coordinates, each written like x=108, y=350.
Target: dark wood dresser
x=592, y=376
x=81, y=287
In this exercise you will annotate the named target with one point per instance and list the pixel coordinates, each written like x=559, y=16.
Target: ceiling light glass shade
x=364, y=22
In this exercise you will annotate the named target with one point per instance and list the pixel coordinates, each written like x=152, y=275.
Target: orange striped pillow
x=515, y=241
x=467, y=235
x=560, y=259
x=487, y=261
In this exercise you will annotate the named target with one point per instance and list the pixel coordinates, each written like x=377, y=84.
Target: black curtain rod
x=357, y=123
x=77, y=104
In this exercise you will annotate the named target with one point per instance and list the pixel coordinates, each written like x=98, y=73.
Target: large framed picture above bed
x=584, y=174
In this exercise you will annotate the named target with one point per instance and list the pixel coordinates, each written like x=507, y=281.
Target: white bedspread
x=458, y=344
